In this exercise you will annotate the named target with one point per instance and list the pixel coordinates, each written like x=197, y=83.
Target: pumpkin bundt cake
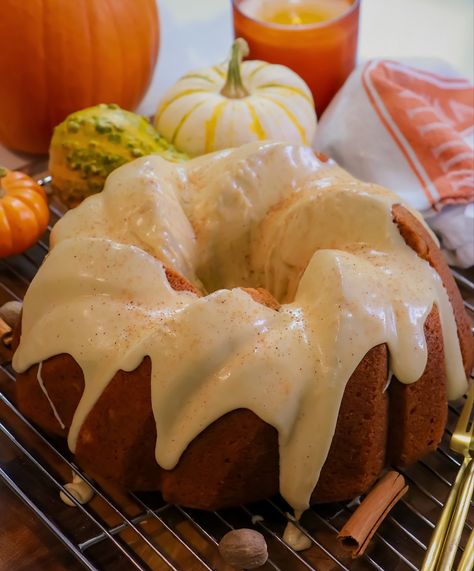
x=249, y=322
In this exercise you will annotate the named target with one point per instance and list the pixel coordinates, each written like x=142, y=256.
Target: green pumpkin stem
x=234, y=87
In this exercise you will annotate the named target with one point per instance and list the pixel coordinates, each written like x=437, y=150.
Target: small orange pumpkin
x=24, y=212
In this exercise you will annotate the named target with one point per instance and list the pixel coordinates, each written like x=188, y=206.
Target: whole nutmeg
x=244, y=548
x=10, y=313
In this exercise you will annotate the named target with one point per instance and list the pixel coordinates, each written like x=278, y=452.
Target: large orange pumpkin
x=59, y=56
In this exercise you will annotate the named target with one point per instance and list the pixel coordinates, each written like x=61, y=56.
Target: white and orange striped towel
x=410, y=127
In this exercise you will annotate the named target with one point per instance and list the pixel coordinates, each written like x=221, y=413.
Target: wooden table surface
x=25, y=543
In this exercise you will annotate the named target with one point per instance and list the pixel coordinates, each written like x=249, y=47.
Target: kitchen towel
x=410, y=127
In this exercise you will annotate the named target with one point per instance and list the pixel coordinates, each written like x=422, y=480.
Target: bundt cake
x=147, y=342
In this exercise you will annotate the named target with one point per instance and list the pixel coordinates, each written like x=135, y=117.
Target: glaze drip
x=39, y=378
x=264, y=215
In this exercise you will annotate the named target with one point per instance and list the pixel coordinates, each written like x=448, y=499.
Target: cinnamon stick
x=359, y=529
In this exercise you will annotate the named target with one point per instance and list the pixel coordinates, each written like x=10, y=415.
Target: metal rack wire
x=139, y=531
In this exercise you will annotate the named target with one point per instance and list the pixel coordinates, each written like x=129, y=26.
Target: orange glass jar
x=323, y=52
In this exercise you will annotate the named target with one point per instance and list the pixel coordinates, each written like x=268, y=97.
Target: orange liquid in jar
x=298, y=12
x=315, y=38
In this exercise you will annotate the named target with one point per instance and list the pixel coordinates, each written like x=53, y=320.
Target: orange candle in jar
x=315, y=38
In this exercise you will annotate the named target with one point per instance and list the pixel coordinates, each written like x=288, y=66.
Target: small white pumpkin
x=220, y=107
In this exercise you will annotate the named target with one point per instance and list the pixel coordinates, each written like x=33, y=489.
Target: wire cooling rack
x=118, y=531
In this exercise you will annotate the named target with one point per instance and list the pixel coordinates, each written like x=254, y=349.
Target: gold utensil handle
x=463, y=501
x=467, y=560
x=435, y=548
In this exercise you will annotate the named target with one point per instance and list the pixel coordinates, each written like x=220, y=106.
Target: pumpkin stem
x=234, y=87
x=3, y=171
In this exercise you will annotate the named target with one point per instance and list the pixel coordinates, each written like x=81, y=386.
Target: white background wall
x=199, y=32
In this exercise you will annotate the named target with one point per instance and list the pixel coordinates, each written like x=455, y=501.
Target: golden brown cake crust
x=418, y=238
x=418, y=412
x=262, y=296
x=235, y=459
x=179, y=283
x=357, y=453
x=64, y=382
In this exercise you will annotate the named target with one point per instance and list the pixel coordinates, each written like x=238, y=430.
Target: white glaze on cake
x=262, y=215
x=294, y=537
x=39, y=378
x=79, y=489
